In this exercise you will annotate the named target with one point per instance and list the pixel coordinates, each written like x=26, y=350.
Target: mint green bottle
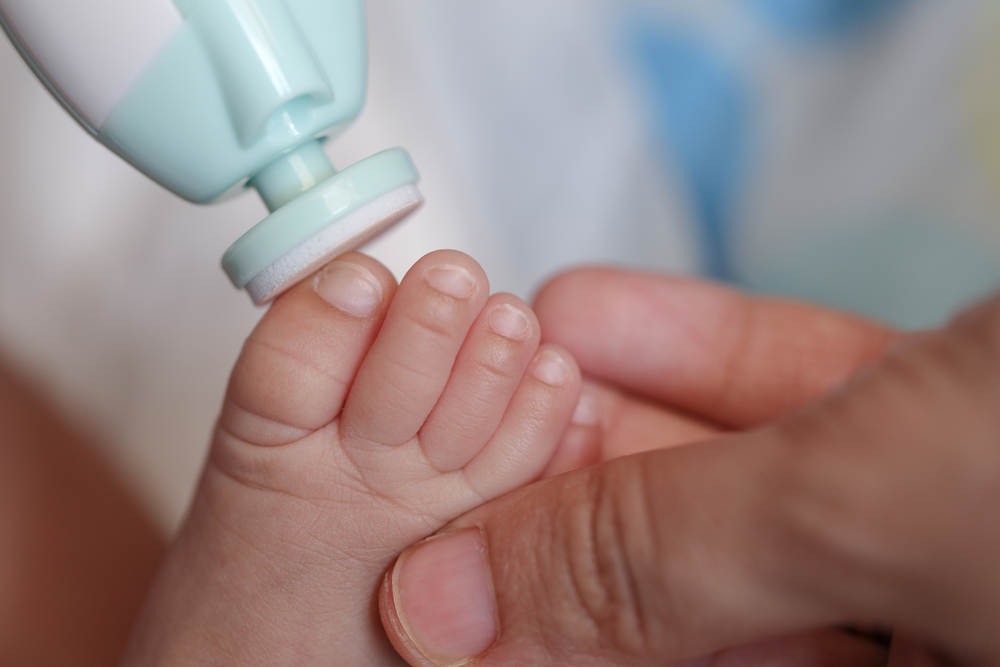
x=208, y=97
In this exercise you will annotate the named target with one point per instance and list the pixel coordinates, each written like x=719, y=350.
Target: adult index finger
x=732, y=359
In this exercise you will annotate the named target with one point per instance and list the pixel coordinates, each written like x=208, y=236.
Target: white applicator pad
x=347, y=233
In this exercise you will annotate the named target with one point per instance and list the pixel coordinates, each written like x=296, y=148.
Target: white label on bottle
x=91, y=51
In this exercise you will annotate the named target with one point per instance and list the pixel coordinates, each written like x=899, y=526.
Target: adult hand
x=875, y=505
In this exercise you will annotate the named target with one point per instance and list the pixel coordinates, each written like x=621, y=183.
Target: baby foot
x=360, y=418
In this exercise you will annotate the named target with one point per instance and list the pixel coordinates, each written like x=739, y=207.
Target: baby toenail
x=508, y=321
x=349, y=287
x=550, y=368
x=452, y=280
x=587, y=412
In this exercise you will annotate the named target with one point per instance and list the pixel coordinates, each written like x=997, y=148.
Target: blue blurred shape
x=701, y=115
x=818, y=18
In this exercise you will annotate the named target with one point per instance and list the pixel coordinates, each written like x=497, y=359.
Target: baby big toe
x=295, y=369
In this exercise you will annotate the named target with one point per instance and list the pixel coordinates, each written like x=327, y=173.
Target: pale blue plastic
x=239, y=84
x=292, y=174
x=243, y=94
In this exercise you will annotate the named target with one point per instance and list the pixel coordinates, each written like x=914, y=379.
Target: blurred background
x=842, y=151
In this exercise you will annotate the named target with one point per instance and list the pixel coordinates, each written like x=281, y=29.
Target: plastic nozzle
x=292, y=174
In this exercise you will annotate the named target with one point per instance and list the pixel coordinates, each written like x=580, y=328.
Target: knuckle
x=612, y=556
x=271, y=394
x=497, y=366
x=438, y=318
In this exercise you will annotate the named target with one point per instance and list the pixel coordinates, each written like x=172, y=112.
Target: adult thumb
x=877, y=505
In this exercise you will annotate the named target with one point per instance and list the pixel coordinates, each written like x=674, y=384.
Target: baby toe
x=532, y=426
x=485, y=376
x=295, y=369
x=410, y=362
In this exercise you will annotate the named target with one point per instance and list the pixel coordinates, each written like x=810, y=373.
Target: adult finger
x=727, y=357
x=610, y=423
x=623, y=563
x=875, y=506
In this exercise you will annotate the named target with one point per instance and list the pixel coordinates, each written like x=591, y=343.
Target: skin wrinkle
x=324, y=547
x=632, y=505
x=227, y=430
x=501, y=353
x=364, y=498
x=616, y=569
x=451, y=425
x=241, y=364
x=389, y=380
x=216, y=518
x=585, y=559
x=354, y=447
x=354, y=473
x=440, y=317
x=281, y=351
x=533, y=413
x=534, y=416
x=556, y=541
x=656, y=554
x=597, y=591
x=402, y=394
x=371, y=487
x=417, y=508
